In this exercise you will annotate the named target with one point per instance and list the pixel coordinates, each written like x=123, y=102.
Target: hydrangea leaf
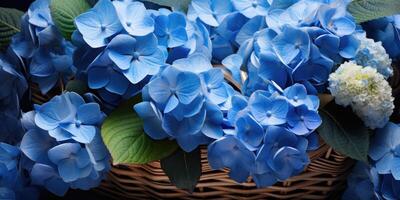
x=92, y=2
x=180, y=5
x=64, y=13
x=183, y=169
x=124, y=137
x=344, y=132
x=366, y=10
x=10, y=20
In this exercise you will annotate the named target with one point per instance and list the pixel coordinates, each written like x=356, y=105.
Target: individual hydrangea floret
x=251, y=8
x=365, y=90
x=372, y=54
x=99, y=24
x=211, y=12
x=171, y=29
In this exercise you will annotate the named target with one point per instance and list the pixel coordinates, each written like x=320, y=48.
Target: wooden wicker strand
x=326, y=175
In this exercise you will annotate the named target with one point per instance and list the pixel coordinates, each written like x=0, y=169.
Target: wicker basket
x=324, y=178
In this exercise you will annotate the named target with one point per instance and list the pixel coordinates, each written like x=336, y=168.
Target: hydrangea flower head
x=373, y=54
x=99, y=24
x=136, y=57
x=68, y=117
x=63, y=164
x=365, y=90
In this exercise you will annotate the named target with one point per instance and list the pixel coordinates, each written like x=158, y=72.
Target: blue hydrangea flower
x=171, y=29
x=211, y=12
x=232, y=153
x=360, y=184
x=136, y=57
x=60, y=165
x=302, y=120
x=283, y=152
x=99, y=23
x=297, y=95
x=336, y=20
x=251, y=8
x=249, y=131
x=68, y=117
x=268, y=110
x=134, y=17
x=384, y=150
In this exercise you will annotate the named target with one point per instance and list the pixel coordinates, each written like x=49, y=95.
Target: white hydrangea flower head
x=365, y=90
x=373, y=54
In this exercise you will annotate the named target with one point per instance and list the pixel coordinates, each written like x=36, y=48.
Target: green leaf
x=179, y=5
x=64, y=13
x=77, y=86
x=123, y=135
x=344, y=131
x=365, y=10
x=183, y=169
x=10, y=24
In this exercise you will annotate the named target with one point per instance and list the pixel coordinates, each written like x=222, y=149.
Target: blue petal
x=188, y=87
x=152, y=120
x=89, y=114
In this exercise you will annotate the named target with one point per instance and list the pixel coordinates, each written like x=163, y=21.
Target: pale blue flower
x=134, y=17
x=98, y=24
x=68, y=117
x=171, y=29
x=384, y=150
x=211, y=12
x=302, y=120
x=268, y=110
x=251, y=8
x=136, y=57
x=336, y=20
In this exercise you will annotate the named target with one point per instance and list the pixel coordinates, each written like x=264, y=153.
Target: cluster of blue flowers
x=386, y=30
x=273, y=130
x=47, y=55
x=186, y=101
x=118, y=52
x=63, y=144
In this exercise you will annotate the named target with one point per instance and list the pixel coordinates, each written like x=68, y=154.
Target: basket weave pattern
x=324, y=177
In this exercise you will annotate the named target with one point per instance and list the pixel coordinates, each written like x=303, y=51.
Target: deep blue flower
x=232, y=153
x=134, y=17
x=239, y=103
x=98, y=24
x=136, y=57
x=385, y=150
x=359, y=184
x=251, y=8
x=302, y=120
x=272, y=69
x=152, y=119
x=39, y=14
x=249, y=131
x=211, y=12
x=171, y=29
x=68, y=117
x=386, y=30
x=268, y=110
x=48, y=177
x=214, y=86
x=283, y=152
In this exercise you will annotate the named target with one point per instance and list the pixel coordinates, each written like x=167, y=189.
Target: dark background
x=71, y=195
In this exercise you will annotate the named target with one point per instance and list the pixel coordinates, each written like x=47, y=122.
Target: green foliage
x=365, y=10
x=123, y=135
x=180, y=5
x=344, y=131
x=64, y=13
x=10, y=24
x=183, y=169
x=77, y=86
